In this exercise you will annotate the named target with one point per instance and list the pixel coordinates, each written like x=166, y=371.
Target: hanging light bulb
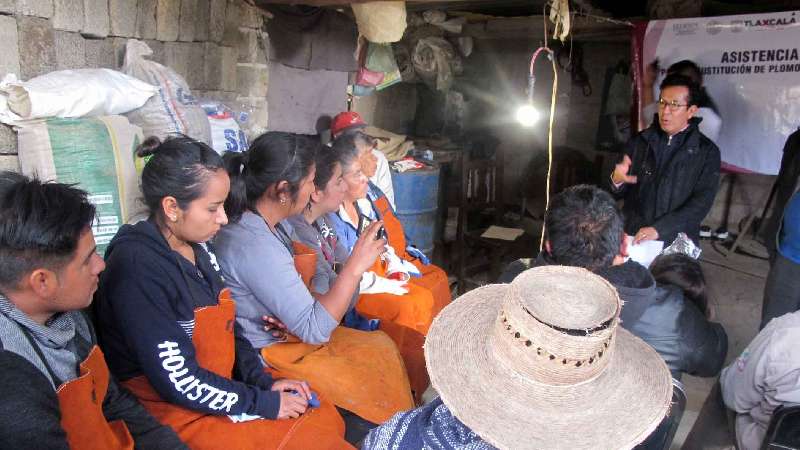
x=527, y=115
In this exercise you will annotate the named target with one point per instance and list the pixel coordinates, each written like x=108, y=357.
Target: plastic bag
x=174, y=110
x=71, y=94
x=682, y=244
x=380, y=58
x=434, y=61
x=389, y=79
x=364, y=76
x=226, y=135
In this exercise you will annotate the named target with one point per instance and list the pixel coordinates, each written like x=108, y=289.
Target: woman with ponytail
x=270, y=274
x=167, y=325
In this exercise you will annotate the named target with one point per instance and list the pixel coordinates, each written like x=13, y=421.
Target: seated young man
x=54, y=383
x=763, y=378
x=584, y=228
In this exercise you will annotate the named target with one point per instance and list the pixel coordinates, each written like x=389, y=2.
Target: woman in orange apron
x=169, y=328
x=361, y=372
x=377, y=205
x=405, y=314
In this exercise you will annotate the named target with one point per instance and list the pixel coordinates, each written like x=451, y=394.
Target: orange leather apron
x=359, y=371
x=433, y=277
x=213, y=340
x=81, y=403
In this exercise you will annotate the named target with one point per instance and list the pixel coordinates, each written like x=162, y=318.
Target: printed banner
x=751, y=70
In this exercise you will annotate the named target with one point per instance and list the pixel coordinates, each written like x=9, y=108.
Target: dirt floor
x=737, y=287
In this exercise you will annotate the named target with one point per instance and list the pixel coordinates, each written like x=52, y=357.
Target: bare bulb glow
x=527, y=115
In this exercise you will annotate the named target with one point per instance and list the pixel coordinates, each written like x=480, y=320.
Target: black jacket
x=31, y=415
x=660, y=316
x=145, y=313
x=678, y=178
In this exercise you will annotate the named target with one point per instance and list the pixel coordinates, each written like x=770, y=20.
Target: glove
x=416, y=253
x=395, y=267
x=381, y=285
x=411, y=269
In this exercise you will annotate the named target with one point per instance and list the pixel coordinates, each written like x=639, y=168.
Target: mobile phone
x=381, y=234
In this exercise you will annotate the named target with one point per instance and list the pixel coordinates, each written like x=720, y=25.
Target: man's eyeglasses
x=672, y=106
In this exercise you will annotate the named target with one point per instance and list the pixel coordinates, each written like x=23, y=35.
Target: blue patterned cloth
x=432, y=426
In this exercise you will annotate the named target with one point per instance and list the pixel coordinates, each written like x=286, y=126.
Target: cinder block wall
x=216, y=45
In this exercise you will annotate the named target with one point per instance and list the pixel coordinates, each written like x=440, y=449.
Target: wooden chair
x=481, y=205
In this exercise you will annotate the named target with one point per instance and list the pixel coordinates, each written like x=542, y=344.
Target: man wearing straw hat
x=584, y=229
x=540, y=363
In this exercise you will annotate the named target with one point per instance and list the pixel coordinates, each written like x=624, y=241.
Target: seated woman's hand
x=294, y=397
x=367, y=249
x=292, y=405
x=276, y=327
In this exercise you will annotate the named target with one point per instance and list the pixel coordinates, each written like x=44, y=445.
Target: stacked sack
x=70, y=130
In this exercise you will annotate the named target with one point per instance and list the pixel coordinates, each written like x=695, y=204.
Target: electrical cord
x=531, y=83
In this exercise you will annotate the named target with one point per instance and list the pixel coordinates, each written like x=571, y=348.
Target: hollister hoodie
x=145, y=312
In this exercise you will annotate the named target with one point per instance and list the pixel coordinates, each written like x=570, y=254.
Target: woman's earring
x=283, y=200
x=173, y=218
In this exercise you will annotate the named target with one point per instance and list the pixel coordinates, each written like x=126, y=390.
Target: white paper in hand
x=644, y=252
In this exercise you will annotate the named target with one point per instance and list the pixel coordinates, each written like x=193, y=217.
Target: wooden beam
x=532, y=27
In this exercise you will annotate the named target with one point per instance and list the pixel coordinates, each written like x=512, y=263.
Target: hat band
x=550, y=355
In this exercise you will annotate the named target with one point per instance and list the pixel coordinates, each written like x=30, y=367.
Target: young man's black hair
x=40, y=224
x=583, y=228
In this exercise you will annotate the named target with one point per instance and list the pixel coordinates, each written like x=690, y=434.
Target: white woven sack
x=173, y=110
x=71, y=94
x=381, y=22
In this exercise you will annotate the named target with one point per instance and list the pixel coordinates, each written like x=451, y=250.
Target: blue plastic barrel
x=416, y=197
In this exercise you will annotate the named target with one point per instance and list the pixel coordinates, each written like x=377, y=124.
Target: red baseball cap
x=344, y=121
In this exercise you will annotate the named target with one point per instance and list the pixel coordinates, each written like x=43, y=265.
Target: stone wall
x=216, y=45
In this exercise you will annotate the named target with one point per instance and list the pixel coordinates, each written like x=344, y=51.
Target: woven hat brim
x=618, y=409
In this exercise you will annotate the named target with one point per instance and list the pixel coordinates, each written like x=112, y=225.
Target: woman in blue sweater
x=167, y=326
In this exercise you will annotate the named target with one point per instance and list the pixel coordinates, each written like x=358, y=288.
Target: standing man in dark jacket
x=54, y=384
x=669, y=174
x=584, y=229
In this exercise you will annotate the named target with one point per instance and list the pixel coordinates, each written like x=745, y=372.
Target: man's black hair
x=40, y=225
x=584, y=227
x=676, y=79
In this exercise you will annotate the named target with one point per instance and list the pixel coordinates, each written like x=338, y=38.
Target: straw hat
x=543, y=363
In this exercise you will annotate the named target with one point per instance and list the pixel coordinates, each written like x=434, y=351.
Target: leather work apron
x=360, y=371
x=433, y=277
x=213, y=339
x=80, y=402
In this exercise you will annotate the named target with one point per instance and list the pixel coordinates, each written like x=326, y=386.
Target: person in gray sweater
x=270, y=183
x=51, y=371
x=311, y=227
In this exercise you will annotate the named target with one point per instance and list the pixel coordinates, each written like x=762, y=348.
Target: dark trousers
x=782, y=290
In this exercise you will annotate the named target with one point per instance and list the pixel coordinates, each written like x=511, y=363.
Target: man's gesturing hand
x=620, y=174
